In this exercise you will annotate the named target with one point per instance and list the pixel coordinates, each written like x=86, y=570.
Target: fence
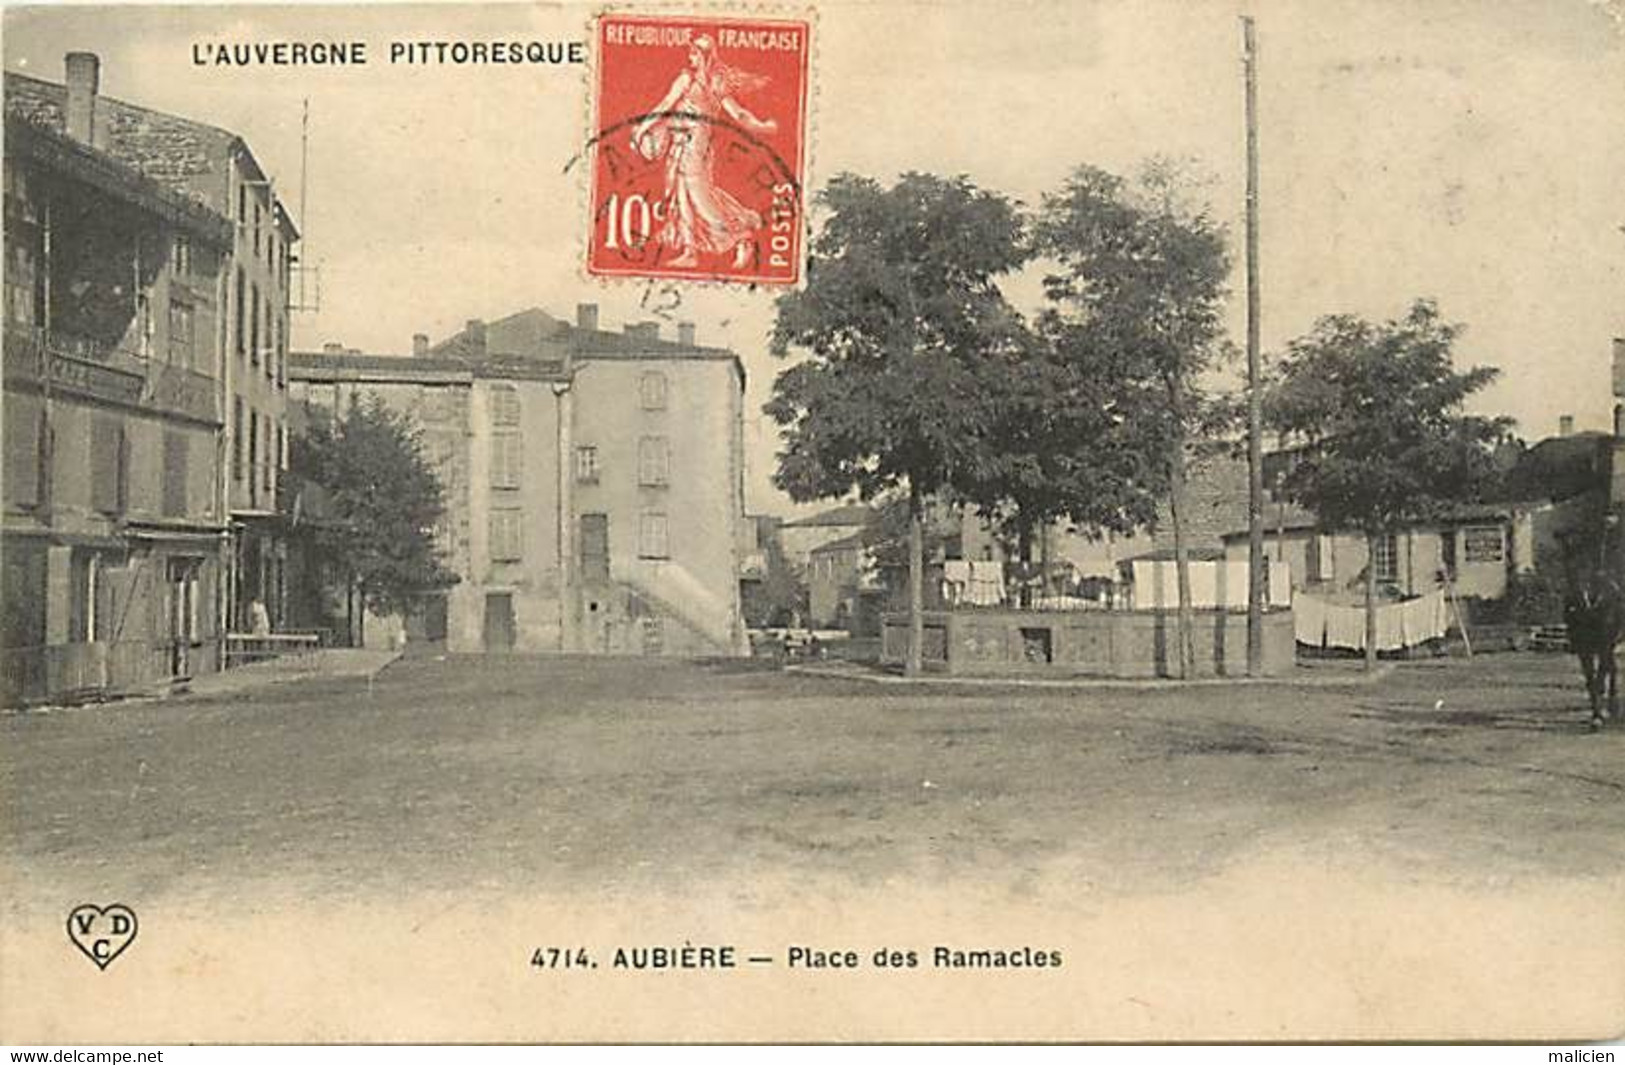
x=1104, y=643
x=243, y=648
x=1141, y=584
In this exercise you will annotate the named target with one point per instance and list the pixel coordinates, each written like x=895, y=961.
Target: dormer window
x=504, y=405
x=180, y=256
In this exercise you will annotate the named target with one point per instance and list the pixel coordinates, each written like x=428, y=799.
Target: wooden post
x=1371, y=601
x=914, y=662
x=1461, y=619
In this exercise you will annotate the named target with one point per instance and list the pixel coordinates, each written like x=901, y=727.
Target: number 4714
x=561, y=958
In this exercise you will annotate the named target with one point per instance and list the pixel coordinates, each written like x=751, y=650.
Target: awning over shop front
x=177, y=533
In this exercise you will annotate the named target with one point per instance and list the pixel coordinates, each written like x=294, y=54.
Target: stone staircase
x=634, y=619
x=665, y=629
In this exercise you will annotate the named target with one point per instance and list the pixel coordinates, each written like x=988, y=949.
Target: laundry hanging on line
x=1317, y=623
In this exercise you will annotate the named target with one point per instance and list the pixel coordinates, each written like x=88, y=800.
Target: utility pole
x=1255, y=408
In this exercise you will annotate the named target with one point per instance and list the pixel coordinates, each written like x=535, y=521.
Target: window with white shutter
x=652, y=541
x=654, y=461
x=506, y=543
x=504, y=405
x=505, y=460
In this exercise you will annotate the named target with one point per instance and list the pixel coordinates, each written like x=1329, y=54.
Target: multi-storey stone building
x=1617, y=490
x=593, y=481
x=113, y=520
x=147, y=268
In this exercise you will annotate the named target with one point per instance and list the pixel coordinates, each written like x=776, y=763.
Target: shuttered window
x=23, y=452
x=180, y=256
x=595, y=547
x=1386, y=557
x=1319, y=560
x=504, y=406
x=176, y=457
x=270, y=459
x=237, y=438
x=22, y=594
x=83, y=576
x=506, y=542
x=652, y=536
x=239, y=316
x=254, y=323
x=587, y=464
x=1483, y=543
x=109, y=462
x=652, y=390
x=180, y=333
x=505, y=460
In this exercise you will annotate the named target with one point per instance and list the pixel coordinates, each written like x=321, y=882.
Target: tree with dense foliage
x=905, y=332
x=1378, y=411
x=779, y=599
x=386, y=502
x=1062, y=445
x=1135, y=321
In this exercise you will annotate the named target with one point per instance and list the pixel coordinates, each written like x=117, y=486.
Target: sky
x=1471, y=152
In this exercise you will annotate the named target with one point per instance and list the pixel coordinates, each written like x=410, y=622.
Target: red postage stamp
x=699, y=149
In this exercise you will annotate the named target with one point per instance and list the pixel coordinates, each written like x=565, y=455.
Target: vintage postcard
x=833, y=521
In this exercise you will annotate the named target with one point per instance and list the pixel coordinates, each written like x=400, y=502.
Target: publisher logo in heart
x=102, y=932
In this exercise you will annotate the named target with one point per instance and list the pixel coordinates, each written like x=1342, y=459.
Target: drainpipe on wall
x=1410, y=562
x=222, y=480
x=47, y=494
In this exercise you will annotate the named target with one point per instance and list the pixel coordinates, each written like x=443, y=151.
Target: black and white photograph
x=838, y=522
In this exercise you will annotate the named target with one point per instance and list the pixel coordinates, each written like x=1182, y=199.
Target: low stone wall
x=1104, y=643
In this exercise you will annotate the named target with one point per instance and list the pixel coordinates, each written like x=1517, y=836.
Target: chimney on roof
x=332, y=347
x=685, y=334
x=587, y=316
x=1565, y=425
x=84, y=75
x=420, y=344
x=476, y=335
x=1619, y=367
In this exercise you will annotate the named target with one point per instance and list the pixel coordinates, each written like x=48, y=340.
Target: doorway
x=595, y=547
x=182, y=588
x=426, y=620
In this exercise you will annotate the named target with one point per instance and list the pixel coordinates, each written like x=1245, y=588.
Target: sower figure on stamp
x=700, y=217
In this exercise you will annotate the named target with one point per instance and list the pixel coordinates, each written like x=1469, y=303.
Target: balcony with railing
x=183, y=390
